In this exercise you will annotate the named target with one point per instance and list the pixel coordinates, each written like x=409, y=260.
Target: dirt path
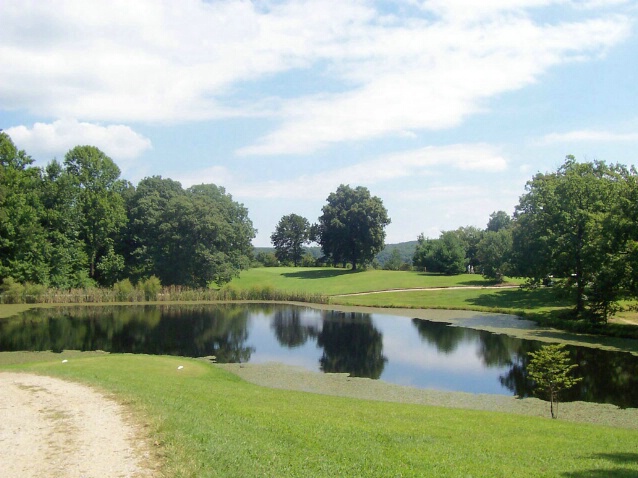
x=53, y=428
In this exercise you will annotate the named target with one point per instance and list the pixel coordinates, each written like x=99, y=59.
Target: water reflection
x=412, y=352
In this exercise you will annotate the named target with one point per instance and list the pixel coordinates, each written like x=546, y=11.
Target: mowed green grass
x=516, y=301
x=206, y=422
x=459, y=292
x=330, y=281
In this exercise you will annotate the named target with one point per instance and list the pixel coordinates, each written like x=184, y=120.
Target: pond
x=414, y=352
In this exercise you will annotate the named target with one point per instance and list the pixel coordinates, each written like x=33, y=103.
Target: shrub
x=151, y=287
x=124, y=290
x=12, y=291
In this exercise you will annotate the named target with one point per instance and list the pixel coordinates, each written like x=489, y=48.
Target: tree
x=494, y=253
x=499, y=220
x=99, y=204
x=445, y=255
x=23, y=247
x=291, y=233
x=550, y=369
x=395, y=261
x=470, y=237
x=147, y=242
x=567, y=224
x=352, y=226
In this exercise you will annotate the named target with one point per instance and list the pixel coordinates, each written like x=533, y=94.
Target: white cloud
x=154, y=61
x=423, y=76
x=421, y=162
x=47, y=140
x=589, y=136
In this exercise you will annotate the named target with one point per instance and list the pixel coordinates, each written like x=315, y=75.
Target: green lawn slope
x=206, y=422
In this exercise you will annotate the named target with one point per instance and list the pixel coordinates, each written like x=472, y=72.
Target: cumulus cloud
x=48, y=140
x=416, y=163
x=388, y=73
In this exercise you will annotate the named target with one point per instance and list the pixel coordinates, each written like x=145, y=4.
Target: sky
x=444, y=109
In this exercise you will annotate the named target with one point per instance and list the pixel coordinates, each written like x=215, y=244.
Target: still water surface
x=404, y=351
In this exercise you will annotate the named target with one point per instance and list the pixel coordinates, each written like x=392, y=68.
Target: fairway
x=331, y=281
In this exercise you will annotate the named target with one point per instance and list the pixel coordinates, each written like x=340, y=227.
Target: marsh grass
x=206, y=422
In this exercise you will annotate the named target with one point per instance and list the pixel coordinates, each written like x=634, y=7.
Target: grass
x=209, y=423
x=518, y=301
x=329, y=281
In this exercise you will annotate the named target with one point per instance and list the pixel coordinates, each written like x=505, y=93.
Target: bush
x=12, y=291
x=124, y=290
x=151, y=287
x=33, y=292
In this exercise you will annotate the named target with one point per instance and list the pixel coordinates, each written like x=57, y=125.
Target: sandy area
x=53, y=428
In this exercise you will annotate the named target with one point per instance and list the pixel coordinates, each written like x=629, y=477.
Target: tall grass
x=123, y=294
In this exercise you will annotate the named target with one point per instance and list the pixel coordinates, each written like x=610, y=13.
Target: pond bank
x=276, y=375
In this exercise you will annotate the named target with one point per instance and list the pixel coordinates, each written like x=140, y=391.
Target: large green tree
x=352, y=226
x=445, y=255
x=23, y=248
x=494, y=254
x=569, y=224
x=100, y=207
x=291, y=233
x=187, y=237
x=66, y=252
x=147, y=242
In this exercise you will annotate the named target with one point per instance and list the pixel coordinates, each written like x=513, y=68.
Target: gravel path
x=53, y=428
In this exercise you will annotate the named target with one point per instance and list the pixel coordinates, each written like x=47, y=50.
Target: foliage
x=188, y=237
x=352, y=226
x=494, y=253
x=571, y=224
x=124, y=290
x=151, y=287
x=550, y=369
x=98, y=205
x=291, y=233
x=445, y=255
x=395, y=262
x=23, y=251
x=499, y=220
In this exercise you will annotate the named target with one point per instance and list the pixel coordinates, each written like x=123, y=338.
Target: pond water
x=399, y=350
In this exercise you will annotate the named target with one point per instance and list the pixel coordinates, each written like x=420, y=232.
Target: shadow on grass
x=521, y=299
x=618, y=458
x=319, y=274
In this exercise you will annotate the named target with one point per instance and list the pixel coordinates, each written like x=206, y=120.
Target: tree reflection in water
x=608, y=377
x=333, y=341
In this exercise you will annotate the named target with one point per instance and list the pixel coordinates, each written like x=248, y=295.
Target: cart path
x=54, y=428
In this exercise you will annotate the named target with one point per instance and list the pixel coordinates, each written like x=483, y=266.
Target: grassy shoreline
x=207, y=422
x=271, y=420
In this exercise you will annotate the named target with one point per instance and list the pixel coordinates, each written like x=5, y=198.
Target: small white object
x=180, y=367
x=64, y=361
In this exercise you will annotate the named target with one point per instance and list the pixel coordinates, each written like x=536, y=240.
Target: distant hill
x=406, y=250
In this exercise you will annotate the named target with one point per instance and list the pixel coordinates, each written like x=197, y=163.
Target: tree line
x=76, y=223
x=575, y=228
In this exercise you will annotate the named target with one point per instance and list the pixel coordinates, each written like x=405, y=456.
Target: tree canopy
x=77, y=224
x=352, y=226
x=291, y=233
x=573, y=224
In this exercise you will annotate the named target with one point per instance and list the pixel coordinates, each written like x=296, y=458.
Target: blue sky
x=442, y=108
